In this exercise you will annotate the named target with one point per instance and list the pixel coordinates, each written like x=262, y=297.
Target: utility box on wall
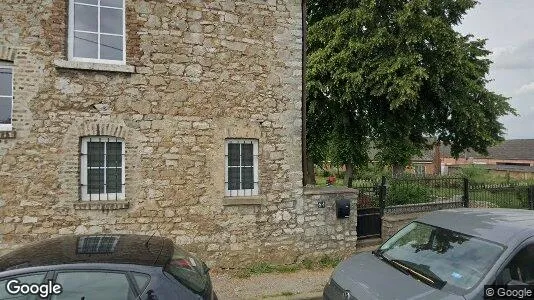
x=343, y=208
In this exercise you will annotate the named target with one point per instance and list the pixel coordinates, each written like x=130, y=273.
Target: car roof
x=499, y=225
x=72, y=249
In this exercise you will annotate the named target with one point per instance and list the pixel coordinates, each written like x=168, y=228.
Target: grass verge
x=307, y=264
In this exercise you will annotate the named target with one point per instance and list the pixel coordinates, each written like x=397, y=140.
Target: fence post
x=531, y=197
x=466, y=192
x=382, y=195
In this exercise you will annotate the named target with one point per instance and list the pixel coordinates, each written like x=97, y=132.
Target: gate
x=370, y=210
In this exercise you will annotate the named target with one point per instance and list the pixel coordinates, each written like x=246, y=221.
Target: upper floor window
x=6, y=97
x=96, y=31
x=102, y=168
x=241, y=172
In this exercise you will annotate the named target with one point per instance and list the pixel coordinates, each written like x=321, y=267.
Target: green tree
x=395, y=74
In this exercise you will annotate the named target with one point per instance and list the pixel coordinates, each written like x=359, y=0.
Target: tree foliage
x=392, y=74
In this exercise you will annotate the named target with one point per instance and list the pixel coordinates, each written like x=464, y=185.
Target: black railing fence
x=417, y=193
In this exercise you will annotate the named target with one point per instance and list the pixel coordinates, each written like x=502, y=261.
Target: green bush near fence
x=408, y=193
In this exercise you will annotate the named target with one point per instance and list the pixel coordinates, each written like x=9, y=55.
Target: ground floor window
x=102, y=168
x=241, y=171
x=6, y=97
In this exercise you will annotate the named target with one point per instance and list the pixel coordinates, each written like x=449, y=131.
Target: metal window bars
x=102, y=168
x=241, y=167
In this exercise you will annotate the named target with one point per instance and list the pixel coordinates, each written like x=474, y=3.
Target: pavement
x=299, y=285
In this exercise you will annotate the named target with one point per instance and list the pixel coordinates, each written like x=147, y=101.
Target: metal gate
x=370, y=209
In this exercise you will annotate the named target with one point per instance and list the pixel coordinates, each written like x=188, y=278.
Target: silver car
x=448, y=254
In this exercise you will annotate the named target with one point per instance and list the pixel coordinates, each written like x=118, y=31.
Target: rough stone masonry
x=197, y=72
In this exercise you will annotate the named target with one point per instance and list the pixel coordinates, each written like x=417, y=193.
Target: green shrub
x=408, y=193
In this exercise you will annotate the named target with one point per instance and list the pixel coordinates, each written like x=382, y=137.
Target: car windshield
x=440, y=257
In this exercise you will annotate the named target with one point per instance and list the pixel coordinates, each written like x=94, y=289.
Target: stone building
x=175, y=117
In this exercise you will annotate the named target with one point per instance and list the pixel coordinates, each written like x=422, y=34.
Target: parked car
x=111, y=267
x=449, y=254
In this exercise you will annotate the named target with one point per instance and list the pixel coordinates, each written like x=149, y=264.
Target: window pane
x=110, y=47
x=233, y=154
x=5, y=110
x=32, y=278
x=111, y=20
x=233, y=179
x=112, y=3
x=95, y=181
x=85, y=18
x=114, y=180
x=94, y=2
x=95, y=154
x=85, y=45
x=114, y=154
x=247, y=178
x=246, y=155
x=93, y=285
x=141, y=280
x=6, y=87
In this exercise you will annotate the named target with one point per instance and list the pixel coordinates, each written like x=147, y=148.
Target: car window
x=521, y=267
x=141, y=280
x=446, y=257
x=27, y=278
x=91, y=285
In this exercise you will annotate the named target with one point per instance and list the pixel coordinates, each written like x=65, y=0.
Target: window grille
x=102, y=164
x=241, y=171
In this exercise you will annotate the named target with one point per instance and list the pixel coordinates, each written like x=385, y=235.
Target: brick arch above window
x=69, y=170
x=7, y=53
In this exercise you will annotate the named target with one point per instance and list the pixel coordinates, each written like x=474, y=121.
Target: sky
x=509, y=27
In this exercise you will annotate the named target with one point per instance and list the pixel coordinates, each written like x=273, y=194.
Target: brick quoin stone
x=196, y=73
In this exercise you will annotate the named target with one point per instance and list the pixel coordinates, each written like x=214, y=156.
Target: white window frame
x=419, y=169
x=71, y=35
x=242, y=192
x=83, y=171
x=8, y=127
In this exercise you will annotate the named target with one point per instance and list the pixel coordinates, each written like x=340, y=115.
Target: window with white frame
x=419, y=169
x=241, y=171
x=6, y=97
x=102, y=168
x=97, y=31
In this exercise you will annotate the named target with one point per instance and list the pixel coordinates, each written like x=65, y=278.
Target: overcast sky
x=509, y=27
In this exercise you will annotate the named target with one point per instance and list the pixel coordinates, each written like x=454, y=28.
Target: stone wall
x=324, y=233
x=197, y=72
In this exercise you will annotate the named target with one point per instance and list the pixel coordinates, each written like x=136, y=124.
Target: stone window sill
x=101, y=205
x=66, y=64
x=243, y=200
x=9, y=134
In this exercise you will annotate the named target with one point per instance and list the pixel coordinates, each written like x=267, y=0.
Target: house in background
x=514, y=158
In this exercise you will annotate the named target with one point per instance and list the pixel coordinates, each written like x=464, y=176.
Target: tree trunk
x=349, y=176
x=310, y=172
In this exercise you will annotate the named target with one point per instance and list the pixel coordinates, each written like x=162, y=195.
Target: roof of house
x=510, y=149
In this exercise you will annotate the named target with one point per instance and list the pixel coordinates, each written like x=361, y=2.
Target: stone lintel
x=101, y=205
x=243, y=200
x=65, y=64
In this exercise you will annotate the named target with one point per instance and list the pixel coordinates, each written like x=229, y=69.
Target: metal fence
x=422, y=194
x=499, y=196
x=416, y=193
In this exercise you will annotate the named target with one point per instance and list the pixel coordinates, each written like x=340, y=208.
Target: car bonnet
x=368, y=277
